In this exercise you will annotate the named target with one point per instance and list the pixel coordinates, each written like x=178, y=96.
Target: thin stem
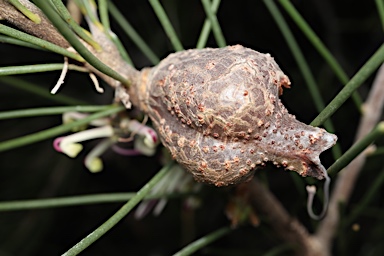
x=81, y=32
x=39, y=42
x=207, y=26
x=356, y=149
x=304, y=68
x=133, y=35
x=49, y=133
x=119, y=215
x=369, y=67
x=79, y=47
x=57, y=202
x=218, y=34
x=120, y=47
x=39, y=91
x=27, y=69
x=90, y=10
x=163, y=18
x=64, y=201
x=32, y=16
x=366, y=199
x=319, y=45
x=10, y=40
x=380, y=10
x=286, y=226
x=49, y=111
x=103, y=12
x=346, y=180
x=203, y=241
x=88, y=7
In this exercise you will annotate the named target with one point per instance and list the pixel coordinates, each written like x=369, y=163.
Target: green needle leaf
x=85, y=35
x=27, y=69
x=207, y=26
x=356, y=149
x=215, y=23
x=166, y=25
x=39, y=91
x=131, y=32
x=49, y=133
x=49, y=111
x=32, y=16
x=203, y=241
x=79, y=47
x=319, y=45
x=358, y=79
x=39, y=42
x=119, y=215
x=304, y=68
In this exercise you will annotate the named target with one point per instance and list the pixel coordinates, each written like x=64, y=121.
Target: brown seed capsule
x=215, y=97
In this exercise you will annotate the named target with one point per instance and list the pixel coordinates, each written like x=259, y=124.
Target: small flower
x=92, y=160
x=72, y=116
x=145, y=139
x=69, y=145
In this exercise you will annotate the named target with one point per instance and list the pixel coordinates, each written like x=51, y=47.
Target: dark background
x=350, y=29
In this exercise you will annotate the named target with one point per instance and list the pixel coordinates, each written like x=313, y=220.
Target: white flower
x=92, y=161
x=145, y=139
x=69, y=144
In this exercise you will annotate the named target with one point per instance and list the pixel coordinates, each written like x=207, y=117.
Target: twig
x=44, y=30
x=110, y=57
x=287, y=227
x=347, y=178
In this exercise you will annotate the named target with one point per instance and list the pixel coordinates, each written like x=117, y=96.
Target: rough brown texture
x=45, y=30
x=218, y=112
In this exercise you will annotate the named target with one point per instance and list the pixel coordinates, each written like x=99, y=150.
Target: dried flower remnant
x=218, y=112
x=175, y=181
x=239, y=209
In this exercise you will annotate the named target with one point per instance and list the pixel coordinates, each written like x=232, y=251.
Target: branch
x=347, y=178
x=109, y=55
x=287, y=227
x=44, y=30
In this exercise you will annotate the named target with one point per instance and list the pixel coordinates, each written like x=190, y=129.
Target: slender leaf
x=356, y=149
x=177, y=46
x=119, y=215
x=41, y=92
x=131, y=32
x=304, y=68
x=207, y=26
x=214, y=23
x=358, y=79
x=318, y=44
x=49, y=133
x=79, y=47
x=39, y=42
x=49, y=111
x=28, y=69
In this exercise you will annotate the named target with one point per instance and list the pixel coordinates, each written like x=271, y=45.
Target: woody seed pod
x=218, y=112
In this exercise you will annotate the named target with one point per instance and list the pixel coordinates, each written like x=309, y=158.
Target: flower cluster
x=122, y=129
x=145, y=139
